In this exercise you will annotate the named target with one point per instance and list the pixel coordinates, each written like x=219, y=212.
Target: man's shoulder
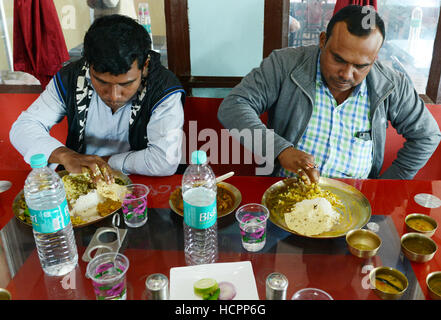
x=295, y=53
x=383, y=70
x=288, y=60
x=72, y=66
x=385, y=78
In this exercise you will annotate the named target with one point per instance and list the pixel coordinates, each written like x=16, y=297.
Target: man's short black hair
x=114, y=42
x=361, y=21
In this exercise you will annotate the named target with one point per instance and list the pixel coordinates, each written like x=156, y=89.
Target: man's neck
x=341, y=97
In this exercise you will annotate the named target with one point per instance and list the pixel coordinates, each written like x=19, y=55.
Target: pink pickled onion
x=227, y=291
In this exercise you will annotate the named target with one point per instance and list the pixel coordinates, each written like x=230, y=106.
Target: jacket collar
x=304, y=74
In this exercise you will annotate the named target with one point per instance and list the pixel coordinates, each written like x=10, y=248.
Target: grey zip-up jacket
x=284, y=86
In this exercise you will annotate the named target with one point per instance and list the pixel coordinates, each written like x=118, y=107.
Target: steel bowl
x=5, y=294
x=388, y=271
x=413, y=244
x=434, y=293
x=424, y=217
x=363, y=243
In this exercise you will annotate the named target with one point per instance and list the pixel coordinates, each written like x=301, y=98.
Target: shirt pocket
x=360, y=158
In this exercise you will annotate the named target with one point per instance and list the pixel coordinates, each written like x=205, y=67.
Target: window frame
x=178, y=42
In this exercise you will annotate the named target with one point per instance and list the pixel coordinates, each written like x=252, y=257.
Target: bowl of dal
x=433, y=282
x=417, y=247
x=421, y=223
x=388, y=283
x=363, y=243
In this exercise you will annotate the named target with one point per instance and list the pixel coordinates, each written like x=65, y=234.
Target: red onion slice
x=227, y=290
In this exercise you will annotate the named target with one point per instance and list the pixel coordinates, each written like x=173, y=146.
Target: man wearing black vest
x=124, y=109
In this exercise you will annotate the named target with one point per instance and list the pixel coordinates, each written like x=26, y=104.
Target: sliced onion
x=227, y=290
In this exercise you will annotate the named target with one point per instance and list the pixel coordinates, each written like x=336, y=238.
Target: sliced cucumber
x=204, y=287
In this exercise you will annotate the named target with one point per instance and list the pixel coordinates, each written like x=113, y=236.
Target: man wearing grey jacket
x=329, y=105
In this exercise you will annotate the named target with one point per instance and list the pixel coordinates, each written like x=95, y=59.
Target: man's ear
x=146, y=67
x=323, y=39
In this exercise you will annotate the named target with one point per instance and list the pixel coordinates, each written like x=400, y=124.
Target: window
x=410, y=34
x=308, y=18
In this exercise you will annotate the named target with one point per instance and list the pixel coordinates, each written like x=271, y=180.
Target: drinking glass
x=108, y=274
x=311, y=294
x=134, y=206
x=252, y=219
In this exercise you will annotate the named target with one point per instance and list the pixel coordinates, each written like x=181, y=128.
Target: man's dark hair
x=356, y=17
x=114, y=42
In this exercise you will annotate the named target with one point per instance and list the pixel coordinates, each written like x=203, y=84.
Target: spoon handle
x=225, y=176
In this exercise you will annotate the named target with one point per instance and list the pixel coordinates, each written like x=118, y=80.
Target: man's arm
x=163, y=153
x=30, y=135
x=410, y=117
x=256, y=93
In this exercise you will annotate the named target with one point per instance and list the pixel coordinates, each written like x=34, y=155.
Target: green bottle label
x=52, y=220
x=200, y=217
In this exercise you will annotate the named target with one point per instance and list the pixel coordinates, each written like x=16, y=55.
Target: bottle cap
x=198, y=157
x=38, y=161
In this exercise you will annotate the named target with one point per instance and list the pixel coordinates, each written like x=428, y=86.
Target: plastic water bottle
x=200, y=212
x=144, y=18
x=46, y=199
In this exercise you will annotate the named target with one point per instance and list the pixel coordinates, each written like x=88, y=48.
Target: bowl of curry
x=388, y=283
x=421, y=223
x=228, y=199
x=433, y=282
x=417, y=247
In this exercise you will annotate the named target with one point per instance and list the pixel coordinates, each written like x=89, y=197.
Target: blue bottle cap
x=38, y=161
x=198, y=157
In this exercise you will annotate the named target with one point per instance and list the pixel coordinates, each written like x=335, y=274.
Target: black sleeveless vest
x=72, y=88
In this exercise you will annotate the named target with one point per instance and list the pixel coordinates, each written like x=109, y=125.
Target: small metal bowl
x=392, y=272
x=363, y=243
x=434, y=291
x=5, y=294
x=425, y=218
x=417, y=247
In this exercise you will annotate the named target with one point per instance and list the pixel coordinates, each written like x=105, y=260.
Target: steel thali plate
x=19, y=204
x=355, y=214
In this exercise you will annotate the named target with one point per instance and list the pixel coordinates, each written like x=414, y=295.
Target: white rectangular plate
x=240, y=274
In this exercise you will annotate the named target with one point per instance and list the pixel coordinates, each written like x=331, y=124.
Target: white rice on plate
x=85, y=205
x=312, y=217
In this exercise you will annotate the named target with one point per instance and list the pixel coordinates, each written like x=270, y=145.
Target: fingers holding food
x=300, y=163
x=75, y=162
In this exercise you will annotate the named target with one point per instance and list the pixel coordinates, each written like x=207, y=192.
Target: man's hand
x=75, y=162
x=300, y=163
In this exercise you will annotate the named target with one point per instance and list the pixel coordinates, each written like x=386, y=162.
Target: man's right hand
x=300, y=163
x=75, y=162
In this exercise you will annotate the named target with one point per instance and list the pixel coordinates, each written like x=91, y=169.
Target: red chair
x=394, y=142
x=12, y=105
x=203, y=131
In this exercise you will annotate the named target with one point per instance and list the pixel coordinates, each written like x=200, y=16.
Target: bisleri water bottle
x=200, y=213
x=46, y=199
